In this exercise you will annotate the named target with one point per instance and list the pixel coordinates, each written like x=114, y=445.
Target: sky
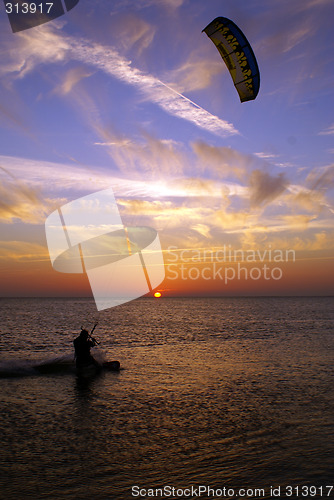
x=133, y=96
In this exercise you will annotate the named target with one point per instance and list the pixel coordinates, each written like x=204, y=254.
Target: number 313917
x=28, y=8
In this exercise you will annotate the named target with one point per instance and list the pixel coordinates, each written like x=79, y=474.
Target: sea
x=217, y=398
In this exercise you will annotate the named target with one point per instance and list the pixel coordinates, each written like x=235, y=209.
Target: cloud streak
x=23, y=251
x=195, y=73
x=135, y=33
x=170, y=100
x=20, y=202
x=328, y=131
x=45, y=45
x=72, y=78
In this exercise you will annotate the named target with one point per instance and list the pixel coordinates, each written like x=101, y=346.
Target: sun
x=157, y=295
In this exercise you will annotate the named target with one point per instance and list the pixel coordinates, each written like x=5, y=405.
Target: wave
x=18, y=368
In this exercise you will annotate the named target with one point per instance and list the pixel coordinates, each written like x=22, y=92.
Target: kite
x=238, y=56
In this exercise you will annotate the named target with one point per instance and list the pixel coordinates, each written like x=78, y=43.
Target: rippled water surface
x=220, y=392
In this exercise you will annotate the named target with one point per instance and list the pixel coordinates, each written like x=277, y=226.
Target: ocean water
x=235, y=394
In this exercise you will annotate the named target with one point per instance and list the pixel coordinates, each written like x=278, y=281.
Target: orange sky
x=304, y=276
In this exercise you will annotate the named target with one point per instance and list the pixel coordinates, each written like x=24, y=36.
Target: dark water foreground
x=220, y=393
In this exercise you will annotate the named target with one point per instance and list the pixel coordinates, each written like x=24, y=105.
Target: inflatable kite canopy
x=238, y=56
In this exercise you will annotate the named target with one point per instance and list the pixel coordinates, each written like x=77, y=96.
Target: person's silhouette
x=82, y=347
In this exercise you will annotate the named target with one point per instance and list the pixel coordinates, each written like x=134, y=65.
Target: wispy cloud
x=328, y=131
x=47, y=45
x=321, y=178
x=266, y=156
x=187, y=212
x=72, y=78
x=133, y=32
x=156, y=158
x=283, y=38
x=21, y=202
x=305, y=242
x=72, y=180
x=195, y=73
x=23, y=251
x=224, y=161
x=311, y=201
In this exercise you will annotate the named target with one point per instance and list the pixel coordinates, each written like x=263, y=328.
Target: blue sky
x=132, y=95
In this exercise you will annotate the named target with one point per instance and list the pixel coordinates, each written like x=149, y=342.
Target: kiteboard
x=63, y=365
x=93, y=369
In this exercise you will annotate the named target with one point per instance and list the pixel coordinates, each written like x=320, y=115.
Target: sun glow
x=157, y=295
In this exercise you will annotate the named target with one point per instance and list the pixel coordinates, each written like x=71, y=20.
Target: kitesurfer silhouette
x=82, y=346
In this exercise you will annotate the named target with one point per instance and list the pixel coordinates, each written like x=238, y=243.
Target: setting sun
x=157, y=295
